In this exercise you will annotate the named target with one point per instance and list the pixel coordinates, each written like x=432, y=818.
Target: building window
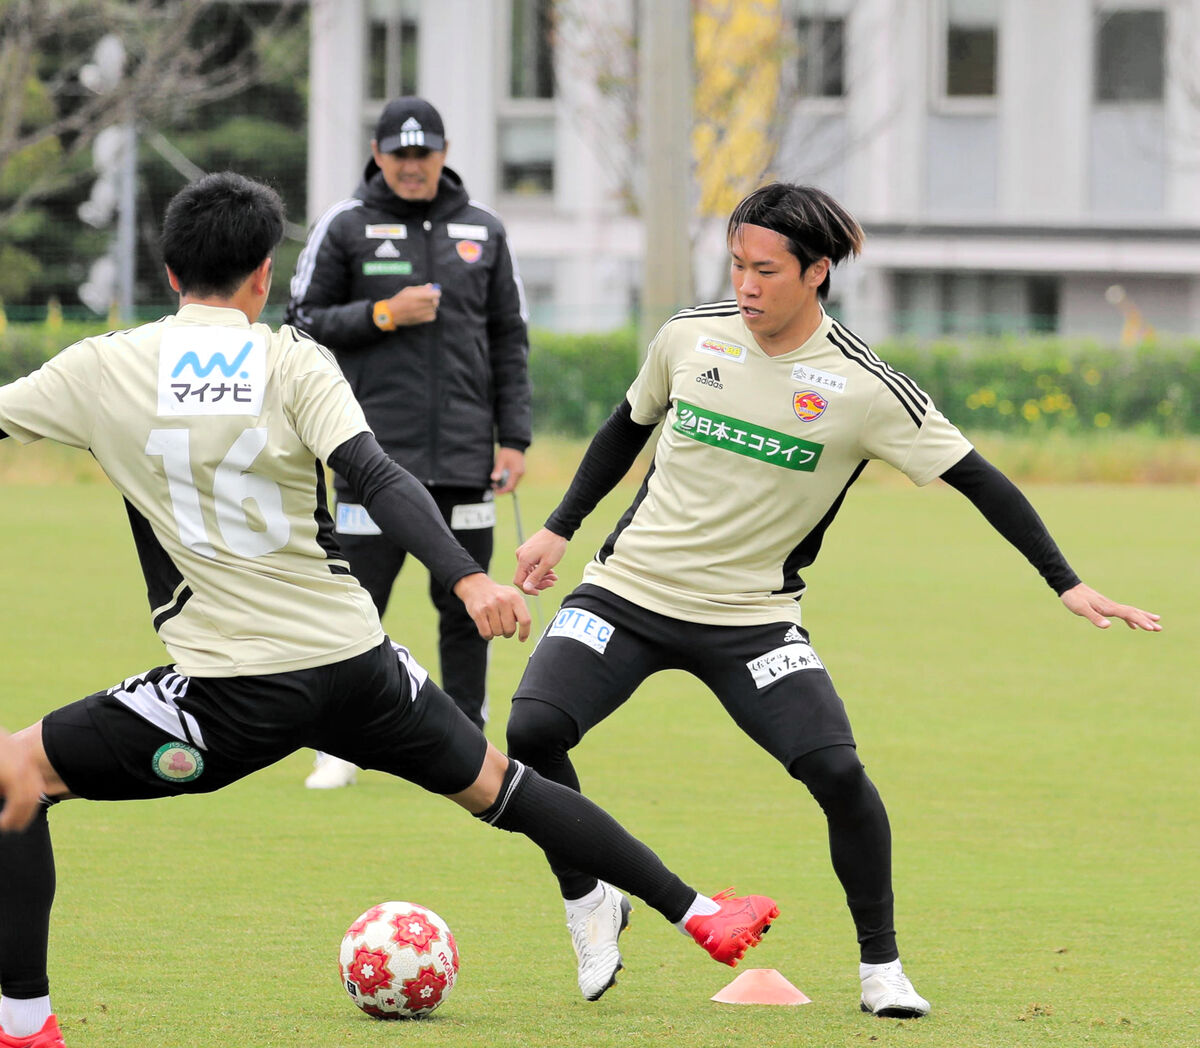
x=1130, y=55
x=821, y=57
x=932, y=304
x=531, y=69
x=526, y=129
x=972, y=48
x=392, y=50
x=527, y=155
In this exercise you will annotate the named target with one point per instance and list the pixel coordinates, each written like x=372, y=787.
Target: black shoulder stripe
x=917, y=392
x=900, y=385
x=709, y=309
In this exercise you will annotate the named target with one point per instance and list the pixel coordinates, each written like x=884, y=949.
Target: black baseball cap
x=409, y=121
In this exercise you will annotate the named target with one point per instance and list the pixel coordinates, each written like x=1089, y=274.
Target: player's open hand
x=497, y=610
x=536, y=558
x=1100, y=611
x=20, y=785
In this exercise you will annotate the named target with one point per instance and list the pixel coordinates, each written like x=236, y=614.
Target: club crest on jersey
x=809, y=405
x=211, y=371
x=177, y=762
x=468, y=250
x=583, y=626
x=729, y=351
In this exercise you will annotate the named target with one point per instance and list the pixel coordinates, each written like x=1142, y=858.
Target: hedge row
x=1026, y=386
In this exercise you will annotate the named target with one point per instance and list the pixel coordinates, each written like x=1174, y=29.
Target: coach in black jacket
x=414, y=287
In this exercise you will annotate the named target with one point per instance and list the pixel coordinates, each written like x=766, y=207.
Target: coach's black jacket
x=439, y=396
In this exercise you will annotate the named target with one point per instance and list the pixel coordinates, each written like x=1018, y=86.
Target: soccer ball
x=398, y=961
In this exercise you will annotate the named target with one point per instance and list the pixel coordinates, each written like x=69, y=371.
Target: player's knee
x=834, y=775
x=539, y=733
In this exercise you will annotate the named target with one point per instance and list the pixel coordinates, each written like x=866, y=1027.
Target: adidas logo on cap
x=712, y=377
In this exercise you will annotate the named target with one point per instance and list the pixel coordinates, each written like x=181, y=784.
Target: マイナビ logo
x=711, y=377
x=211, y=371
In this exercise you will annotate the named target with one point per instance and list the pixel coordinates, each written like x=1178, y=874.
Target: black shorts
x=162, y=734
x=600, y=647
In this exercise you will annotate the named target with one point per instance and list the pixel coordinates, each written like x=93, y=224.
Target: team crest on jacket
x=809, y=405
x=468, y=250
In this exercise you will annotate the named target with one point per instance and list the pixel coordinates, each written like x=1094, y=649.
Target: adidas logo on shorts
x=794, y=634
x=712, y=377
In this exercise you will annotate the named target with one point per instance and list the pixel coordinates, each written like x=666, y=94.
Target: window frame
x=511, y=109
x=939, y=67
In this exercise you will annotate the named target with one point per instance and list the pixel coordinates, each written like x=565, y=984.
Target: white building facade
x=1019, y=165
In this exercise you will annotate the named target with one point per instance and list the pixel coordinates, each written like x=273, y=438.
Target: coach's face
x=776, y=297
x=411, y=173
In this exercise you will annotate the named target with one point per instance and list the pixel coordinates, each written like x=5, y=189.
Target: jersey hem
x=260, y=669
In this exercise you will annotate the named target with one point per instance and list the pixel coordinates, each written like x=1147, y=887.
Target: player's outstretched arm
x=20, y=784
x=1099, y=610
x=497, y=610
x=536, y=558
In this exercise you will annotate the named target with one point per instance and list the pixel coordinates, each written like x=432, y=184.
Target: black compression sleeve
x=1009, y=512
x=403, y=509
x=612, y=451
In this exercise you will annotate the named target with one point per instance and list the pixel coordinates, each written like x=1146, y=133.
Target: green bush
x=1025, y=387
x=578, y=379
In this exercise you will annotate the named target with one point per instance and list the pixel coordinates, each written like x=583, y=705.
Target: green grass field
x=1041, y=777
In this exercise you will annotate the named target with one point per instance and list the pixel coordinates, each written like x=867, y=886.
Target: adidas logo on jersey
x=387, y=250
x=712, y=377
x=794, y=634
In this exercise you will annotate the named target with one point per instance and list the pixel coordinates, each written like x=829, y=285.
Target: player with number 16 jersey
x=205, y=401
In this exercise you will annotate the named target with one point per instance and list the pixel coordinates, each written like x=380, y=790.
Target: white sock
x=579, y=908
x=701, y=906
x=865, y=971
x=23, y=1018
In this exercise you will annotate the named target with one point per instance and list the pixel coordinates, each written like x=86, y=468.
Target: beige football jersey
x=212, y=429
x=755, y=456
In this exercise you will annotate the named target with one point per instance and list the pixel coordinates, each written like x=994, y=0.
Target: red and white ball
x=398, y=961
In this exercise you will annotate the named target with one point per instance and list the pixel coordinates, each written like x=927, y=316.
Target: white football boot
x=887, y=992
x=594, y=937
x=331, y=773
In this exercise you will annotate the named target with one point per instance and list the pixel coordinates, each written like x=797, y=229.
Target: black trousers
x=462, y=653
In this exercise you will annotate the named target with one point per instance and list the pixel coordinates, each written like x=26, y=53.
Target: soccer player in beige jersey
x=214, y=428
x=770, y=410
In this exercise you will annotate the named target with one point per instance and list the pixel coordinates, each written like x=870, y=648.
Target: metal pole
x=665, y=101
x=127, y=225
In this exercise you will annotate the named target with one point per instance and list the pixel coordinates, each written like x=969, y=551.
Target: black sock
x=860, y=844
x=564, y=822
x=541, y=736
x=26, y=895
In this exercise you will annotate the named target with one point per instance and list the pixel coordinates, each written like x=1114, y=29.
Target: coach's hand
x=1099, y=610
x=498, y=611
x=536, y=558
x=417, y=304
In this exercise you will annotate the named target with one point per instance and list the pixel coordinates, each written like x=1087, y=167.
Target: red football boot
x=739, y=924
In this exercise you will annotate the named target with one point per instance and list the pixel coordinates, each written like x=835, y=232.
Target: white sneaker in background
x=331, y=773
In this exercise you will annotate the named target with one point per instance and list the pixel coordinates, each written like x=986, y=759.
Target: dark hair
x=218, y=230
x=814, y=225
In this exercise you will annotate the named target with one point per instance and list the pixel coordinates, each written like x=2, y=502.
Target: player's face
x=411, y=173
x=777, y=298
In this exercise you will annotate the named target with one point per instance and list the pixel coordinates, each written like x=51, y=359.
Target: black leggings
x=860, y=839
